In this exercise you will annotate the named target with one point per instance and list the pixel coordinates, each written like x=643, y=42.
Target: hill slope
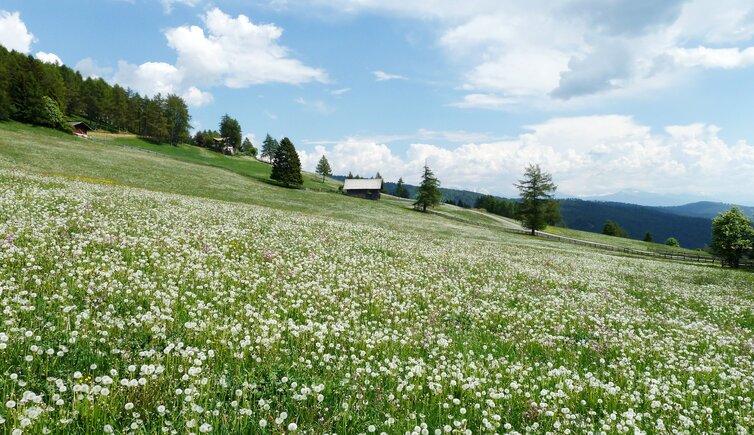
x=234, y=306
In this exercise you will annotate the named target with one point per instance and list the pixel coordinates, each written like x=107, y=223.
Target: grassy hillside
x=242, y=165
x=145, y=294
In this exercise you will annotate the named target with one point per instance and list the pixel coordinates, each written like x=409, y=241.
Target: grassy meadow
x=144, y=293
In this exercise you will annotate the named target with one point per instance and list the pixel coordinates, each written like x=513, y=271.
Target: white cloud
x=88, y=67
x=589, y=155
x=382, y=76
x=340, y=91
x=149, y=78
x=13, y=32
x=483, y=101
x=316, y=106
x=236, y=53
x=195, y=97
x=714, y=57
x=49, y=58
x=167, y=5
x=571, y=52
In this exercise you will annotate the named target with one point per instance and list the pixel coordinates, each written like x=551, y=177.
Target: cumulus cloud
x=714, y=57
x=13, y=32
x=591, y=155
x=382, y=76
x=89, y=67
x=49, y=58
x=195, y=97
x=237, y=53
x=568, y=52
x=149, y=78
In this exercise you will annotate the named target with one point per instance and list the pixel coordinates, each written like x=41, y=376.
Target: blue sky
x=607, y=96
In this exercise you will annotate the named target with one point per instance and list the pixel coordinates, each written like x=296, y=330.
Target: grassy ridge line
x=45, y=151
x=247, y=166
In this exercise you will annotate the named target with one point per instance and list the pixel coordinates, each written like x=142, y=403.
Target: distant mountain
x=644, y=198
x=637, y=220
x=706, y=209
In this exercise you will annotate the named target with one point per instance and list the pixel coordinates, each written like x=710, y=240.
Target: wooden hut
x=367, y=188
x=80, y=128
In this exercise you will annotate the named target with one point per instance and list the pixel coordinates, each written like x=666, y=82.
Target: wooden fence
x=664, y=255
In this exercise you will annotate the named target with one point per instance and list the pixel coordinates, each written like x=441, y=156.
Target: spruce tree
x=648, y=237
x=400, y=189
x=323, y=168
x=429, y=190
x=286, y=166
x=537, y=193
x=269, y=147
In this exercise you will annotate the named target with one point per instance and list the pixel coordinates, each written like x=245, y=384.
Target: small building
x=80, y=128
x=367, y=188
x=222, y=144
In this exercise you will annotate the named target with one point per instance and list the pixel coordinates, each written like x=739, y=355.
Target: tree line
x=39, y=93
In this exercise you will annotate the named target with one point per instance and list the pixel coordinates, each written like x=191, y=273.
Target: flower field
x=132, y=311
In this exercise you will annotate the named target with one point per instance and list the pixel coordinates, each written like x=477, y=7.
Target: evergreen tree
x=732, y=235
x=428, y=194
x=248, y=148
x=613, y=229
x=648, y=237
x=286, y=166
x=269, y=147
x=537, y=192
x=323, y=168
x=177, y=120
x=350, y=175
x=400, y=189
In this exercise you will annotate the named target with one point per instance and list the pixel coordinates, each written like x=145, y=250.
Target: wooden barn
x=80, y=128
x=367, y=188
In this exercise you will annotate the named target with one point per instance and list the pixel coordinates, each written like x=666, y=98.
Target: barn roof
x=362, y=184
x=80, y=124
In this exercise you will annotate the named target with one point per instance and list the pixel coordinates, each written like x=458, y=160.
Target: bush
x=671, y=241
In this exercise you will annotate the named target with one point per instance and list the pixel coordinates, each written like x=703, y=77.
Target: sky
x=606, y=95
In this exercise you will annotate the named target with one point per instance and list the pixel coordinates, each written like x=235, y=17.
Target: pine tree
x=230, y=129
x=248, y=148
x=429, y=190
x=177, y=118
x=269, y=147
x=323, y=168
x=537, y=192
x=286, y=166
x=400, y=189
x=648, y=237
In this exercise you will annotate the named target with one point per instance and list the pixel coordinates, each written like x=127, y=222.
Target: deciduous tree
x=732, y=235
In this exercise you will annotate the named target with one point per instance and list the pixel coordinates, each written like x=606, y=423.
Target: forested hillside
x=47, y=94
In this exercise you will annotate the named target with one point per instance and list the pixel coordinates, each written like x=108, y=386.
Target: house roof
x=82, y=123
x=362, y=184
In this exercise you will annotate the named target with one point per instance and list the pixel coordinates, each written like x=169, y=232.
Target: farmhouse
x=221, y=143
x=367, y=188
x=80, y=128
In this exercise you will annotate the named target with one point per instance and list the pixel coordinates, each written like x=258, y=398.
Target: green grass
x=626, y=243
x=242, y=165
x=202, y=298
